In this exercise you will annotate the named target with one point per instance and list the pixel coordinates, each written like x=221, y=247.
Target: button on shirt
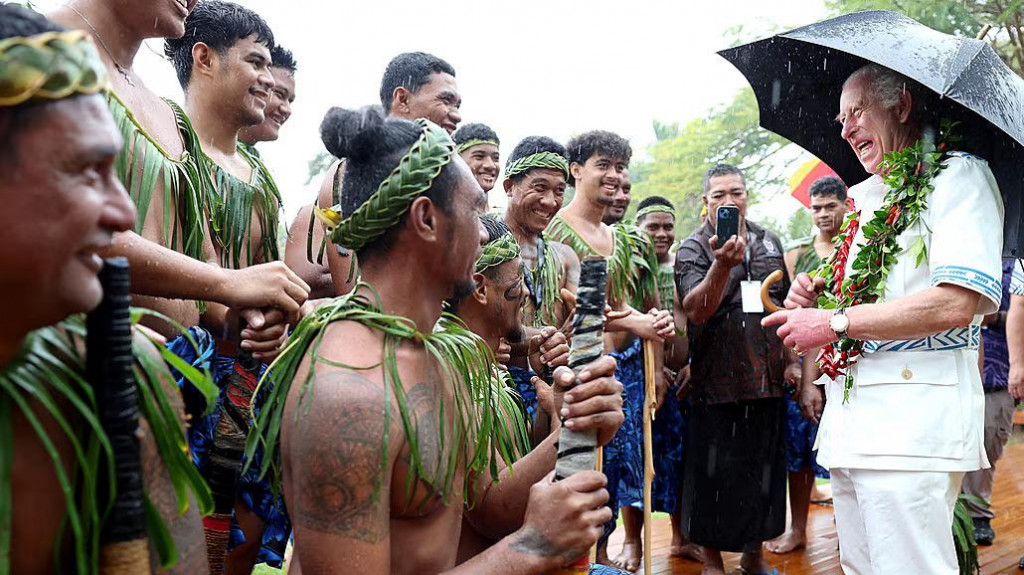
x=733, y=358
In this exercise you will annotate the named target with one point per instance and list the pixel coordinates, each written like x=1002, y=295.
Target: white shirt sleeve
x=966, y=222
x=1017, y=279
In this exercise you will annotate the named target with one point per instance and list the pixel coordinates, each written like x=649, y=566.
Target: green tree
x=800, y=226
x=1002, y=21
x=318, y=166
x=681, y=155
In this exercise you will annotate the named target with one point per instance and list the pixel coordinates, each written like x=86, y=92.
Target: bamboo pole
x=650, y=404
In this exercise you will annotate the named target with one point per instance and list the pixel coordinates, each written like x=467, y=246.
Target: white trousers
x=895, y=522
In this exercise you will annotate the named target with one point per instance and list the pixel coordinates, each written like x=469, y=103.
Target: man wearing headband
x=478, y=146
x=597, y=162
x=159, y=165
x=415, y=85
x=399, y=432
x=57, y=165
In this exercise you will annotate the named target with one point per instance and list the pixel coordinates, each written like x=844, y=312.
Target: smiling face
x=614, y=213
x=506, y=292
x=871, y=128
x=535, y=198
x=240, y=79
x=438, y=101
x=278, y=110
x=661, y=228
x=599, y=178
x=483, y=160
x=466, y=234
x=63, y=204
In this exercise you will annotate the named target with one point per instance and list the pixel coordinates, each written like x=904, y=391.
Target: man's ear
x=203, y=58
x=422, y=218
x=576, y=170
x=507, y=184
x=904, y=106
x=400, y=100
x=480, y=291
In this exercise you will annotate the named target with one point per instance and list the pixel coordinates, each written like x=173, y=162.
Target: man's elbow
x=959, y=307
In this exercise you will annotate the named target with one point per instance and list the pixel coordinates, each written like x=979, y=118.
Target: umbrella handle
x=772, y=279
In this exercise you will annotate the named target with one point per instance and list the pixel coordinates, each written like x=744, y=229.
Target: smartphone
x=727, y=223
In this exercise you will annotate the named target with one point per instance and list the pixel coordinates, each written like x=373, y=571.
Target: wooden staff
x=650, y=405
x=124, y=547
x=768, y=282
x=577, y=450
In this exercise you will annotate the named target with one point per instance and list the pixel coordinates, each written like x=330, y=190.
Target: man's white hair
x=886, y=85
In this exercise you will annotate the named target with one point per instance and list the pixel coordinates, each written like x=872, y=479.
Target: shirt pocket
x=908, y=404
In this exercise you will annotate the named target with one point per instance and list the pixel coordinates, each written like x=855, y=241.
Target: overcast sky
x=545, y=67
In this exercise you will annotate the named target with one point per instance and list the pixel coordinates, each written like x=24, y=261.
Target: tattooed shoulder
x=339, y=462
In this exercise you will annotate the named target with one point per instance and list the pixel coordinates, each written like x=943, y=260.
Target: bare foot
x=753, y=564
x=713, y=570
x=602, y=555
x=787, y=542
x=687, y=551
x=629, y=558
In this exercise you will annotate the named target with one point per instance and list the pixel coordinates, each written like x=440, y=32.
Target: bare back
x=351, y=501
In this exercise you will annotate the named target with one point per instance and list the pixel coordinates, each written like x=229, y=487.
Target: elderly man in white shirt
x=912, y=425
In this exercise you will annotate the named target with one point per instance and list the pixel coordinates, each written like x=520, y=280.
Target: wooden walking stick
x=772, y=279
x=577, y=450
x=650, y=405
x=124, y=546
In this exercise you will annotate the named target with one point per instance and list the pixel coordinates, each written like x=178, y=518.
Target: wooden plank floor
x=822, y=553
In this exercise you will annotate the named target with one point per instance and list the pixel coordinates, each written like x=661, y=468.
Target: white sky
x=544, y=67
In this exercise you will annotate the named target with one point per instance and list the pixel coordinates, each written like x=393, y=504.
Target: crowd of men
x=419, y=348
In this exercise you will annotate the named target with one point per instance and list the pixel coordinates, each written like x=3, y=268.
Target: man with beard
x=223, y=65
x=895, y=480
x=59, y=157
x=279, y=104
x=597, y=162
x=828, y=204
x=378, y=495
x=478, y=145
x=169, y=249
x=415, y=85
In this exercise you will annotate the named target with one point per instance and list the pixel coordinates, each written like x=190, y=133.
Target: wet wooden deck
x=822, y=553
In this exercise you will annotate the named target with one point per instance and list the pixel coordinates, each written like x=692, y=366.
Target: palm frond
x=549, y=274
x=232, y=205
x=477, y=432
x=963, y=536
x=48, y=372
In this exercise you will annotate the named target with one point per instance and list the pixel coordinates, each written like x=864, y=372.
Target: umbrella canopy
x=798, y=77
x=809, y=172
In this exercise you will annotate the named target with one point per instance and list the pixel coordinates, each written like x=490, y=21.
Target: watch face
x=839, y=323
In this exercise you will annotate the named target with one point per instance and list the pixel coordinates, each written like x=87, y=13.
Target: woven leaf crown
x=549, y=160
x=412, y=177
x=49, y=66
x=501, y=250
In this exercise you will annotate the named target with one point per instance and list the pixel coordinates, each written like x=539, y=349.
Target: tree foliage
x=1001, y=20
x=681, y=155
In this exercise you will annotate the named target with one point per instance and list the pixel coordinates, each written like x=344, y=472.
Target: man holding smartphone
x=734, y=484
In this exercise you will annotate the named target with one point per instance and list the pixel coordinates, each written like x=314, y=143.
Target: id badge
x=751, y=292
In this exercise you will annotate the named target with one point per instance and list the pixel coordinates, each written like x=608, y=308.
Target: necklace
x=120, y=69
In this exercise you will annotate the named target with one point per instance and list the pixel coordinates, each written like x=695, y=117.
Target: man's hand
x=812, y=401
x=549, y=348
x=504, y=353
x=732, y=251
x=793, y=374
x=683, y=381
x=802, y=329
x=664, y=323
x=661, y=382
x=270, y=285
x=311, y=305
x=804, y=292
x=1016, y=382
x=265, y=333
x=563, y=519
x=594, y=402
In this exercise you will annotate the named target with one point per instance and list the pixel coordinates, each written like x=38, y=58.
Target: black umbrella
x=798, y=76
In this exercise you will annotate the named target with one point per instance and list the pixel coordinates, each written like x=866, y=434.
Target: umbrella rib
x=979, y=48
